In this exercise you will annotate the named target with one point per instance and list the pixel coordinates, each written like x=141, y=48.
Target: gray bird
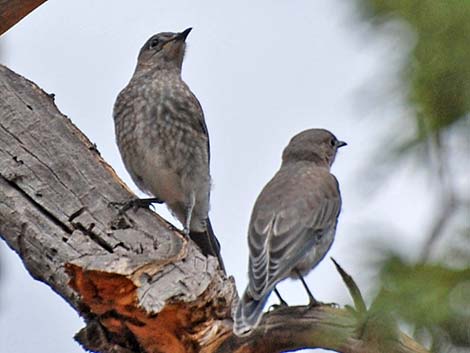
x=163, y=138
x=293, y=222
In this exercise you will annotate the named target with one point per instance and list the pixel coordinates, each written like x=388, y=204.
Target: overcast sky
x=263, y=71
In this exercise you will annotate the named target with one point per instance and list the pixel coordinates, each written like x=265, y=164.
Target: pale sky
x=263, y=71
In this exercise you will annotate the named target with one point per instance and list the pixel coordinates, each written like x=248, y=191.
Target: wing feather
x=286, y=226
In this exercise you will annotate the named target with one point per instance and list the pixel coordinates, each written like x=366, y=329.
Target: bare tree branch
x=12, y=11
x=139, y=284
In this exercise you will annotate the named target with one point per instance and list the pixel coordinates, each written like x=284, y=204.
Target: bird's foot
x=282, y=302
x=135, y=204
x=314, y=303
x=278, y=306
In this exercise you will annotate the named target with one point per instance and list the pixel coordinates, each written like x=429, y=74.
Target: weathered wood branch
x=12, y=11
x=140, y=286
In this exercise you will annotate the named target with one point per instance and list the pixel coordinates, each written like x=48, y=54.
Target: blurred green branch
x=437, y=80
x=432, y=298
x=438, y=71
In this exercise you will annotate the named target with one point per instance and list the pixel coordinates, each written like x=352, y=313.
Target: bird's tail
x=208, y=243
x=248, y=314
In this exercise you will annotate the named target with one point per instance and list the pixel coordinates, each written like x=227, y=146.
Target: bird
x=163, y=139
x=293, y=223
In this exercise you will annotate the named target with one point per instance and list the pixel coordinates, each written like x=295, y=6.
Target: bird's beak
x=184, y=34
x=341, y=144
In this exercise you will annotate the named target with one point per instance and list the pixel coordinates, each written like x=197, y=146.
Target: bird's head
x=314, y=145
x=163, y=51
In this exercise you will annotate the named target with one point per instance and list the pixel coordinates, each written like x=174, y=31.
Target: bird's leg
x=189, y=213
x=312, y=300
x=135, y=203
x=282, y=302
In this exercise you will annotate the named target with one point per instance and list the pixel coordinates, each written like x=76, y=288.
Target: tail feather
x=208, y=243
x=248, y=314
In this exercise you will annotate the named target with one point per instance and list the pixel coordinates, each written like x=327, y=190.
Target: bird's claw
x=314, y=303
x=135, y=204
x=278, y=306
x=122, y=206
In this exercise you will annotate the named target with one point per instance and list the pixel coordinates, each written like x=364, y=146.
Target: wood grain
x=137, y=282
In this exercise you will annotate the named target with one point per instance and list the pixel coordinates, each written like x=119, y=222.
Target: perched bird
x=293, y=222
x=163, y=138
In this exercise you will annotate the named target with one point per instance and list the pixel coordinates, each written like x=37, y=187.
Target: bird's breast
x=160, y=148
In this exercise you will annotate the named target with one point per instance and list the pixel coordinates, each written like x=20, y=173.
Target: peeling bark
x=55, y=212
x=138, y=283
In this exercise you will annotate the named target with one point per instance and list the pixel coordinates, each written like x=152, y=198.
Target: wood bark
x=138, y=283
x=12, y=11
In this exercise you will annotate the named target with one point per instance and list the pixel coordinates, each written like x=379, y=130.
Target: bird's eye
x=333, y=142
x=153, y=43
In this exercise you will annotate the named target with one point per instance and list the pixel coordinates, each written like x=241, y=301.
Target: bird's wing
x=202, y=124
x=199, y=122
x=288, y=220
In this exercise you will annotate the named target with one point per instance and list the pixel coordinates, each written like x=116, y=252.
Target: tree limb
x=12, y=11
x=139, y=284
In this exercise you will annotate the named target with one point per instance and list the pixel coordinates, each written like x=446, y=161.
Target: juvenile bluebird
x=293, y=222
x=163, y=140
